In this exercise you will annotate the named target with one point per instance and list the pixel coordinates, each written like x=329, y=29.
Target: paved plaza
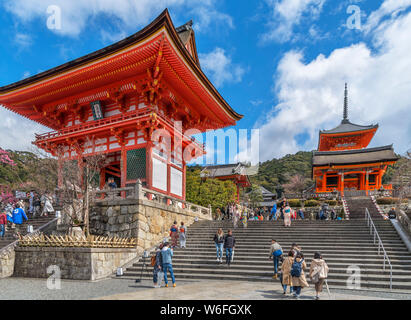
x=127, y=289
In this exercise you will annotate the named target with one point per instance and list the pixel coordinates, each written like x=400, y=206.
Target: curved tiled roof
x=347, y=126
x=361, y=156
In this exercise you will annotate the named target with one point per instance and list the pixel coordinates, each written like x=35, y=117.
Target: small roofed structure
x=343, y=160
x=234, y=172
x=269, y=198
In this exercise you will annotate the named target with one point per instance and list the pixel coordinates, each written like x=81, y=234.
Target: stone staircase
x=357, y=205
x=36, y=222
x=342, y=243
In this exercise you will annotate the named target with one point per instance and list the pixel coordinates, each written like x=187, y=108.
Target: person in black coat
x=229, y=245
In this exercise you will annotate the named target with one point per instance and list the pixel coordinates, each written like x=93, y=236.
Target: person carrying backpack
x=157, y=263
x=286, y=272
x=275, y=253
x=318, y=273
x=297, y=275
x=167, y=255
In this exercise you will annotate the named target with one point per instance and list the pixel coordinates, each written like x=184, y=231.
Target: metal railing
x=35, y=232
x=374, y=232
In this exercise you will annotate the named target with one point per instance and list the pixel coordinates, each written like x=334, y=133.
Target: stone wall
x=146, y=220
x=74, y=263
x=7, y=263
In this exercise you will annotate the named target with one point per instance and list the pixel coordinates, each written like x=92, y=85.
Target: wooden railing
x=41, y=240
x=138, y=192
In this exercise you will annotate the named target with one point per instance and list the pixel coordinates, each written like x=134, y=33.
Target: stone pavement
x=116, y=289
x=242, y=290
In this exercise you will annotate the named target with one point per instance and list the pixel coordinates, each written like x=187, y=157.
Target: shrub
x=387, y=200
x=331, y=202
x=311, y=203
x=294, y=203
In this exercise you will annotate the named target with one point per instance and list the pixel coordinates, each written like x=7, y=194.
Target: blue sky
x=280, y=63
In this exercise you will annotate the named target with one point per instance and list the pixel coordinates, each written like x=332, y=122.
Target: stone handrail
x=404, y=220
x=146, y=193
x=138, y=192
x=308, y=195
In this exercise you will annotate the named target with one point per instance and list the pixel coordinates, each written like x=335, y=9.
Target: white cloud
x=22, y=40
x=220, y=68
x=387, y=8
x=77, y=14
x=285, y=14
x=26, y=74
x=311, y=93
x=16, y=131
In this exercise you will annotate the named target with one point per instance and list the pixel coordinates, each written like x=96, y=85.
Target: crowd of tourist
x=13, y=215
x=279, y=211
x=289, y=267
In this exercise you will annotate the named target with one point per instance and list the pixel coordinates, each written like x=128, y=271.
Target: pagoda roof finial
x=345, y=113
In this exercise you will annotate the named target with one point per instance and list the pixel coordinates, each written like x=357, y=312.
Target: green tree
x=209, y=191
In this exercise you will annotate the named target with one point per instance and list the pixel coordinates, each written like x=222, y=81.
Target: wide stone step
x=230, y=274
x=239, y=265
x=223, y=270
x=333, y=283
x=312, y=245
x=307, y=254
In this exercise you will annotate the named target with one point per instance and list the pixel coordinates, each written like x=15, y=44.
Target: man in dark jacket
x=229, y=245
x=392, y=214
x=158, y=266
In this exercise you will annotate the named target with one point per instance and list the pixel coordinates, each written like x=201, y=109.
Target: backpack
x=153, y=260
x=296, y=269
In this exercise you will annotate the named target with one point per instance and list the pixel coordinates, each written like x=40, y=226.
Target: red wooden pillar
x=366, y=182
x=123, y=169
x=238, y=193
x=324, y=182
x=379, y=179
x=102, y=178
x=149, y=162
x=60, y=173
x=341, y=182
x=184, y=180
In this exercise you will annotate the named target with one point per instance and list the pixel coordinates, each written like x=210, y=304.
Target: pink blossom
x=5, y=158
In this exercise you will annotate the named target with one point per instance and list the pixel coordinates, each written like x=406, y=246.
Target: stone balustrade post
x=138, y=190
x=210, y=211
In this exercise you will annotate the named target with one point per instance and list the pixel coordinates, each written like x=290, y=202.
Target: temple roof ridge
x=346, y=125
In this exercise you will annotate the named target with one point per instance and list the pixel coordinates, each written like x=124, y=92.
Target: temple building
x=343, y=161
x=132, y=101
x=237, y=173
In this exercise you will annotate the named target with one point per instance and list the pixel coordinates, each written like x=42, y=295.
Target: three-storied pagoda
x=112, y=101
x=343, y=160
